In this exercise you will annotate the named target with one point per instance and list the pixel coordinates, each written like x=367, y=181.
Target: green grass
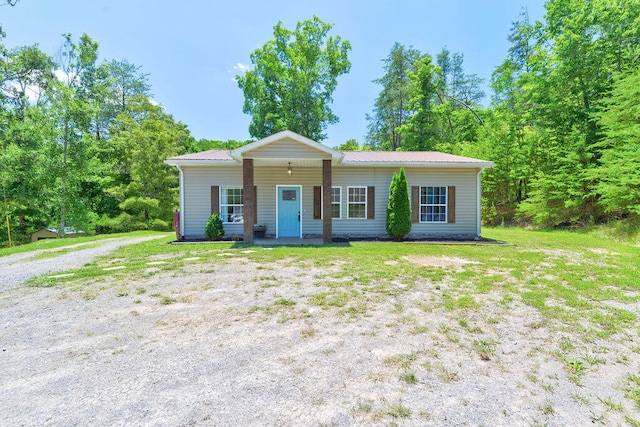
x=581, y=286
x=59, y=243
x=62, y=251
x=565, y=276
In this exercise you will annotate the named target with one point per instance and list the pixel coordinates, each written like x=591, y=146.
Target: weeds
x=485, y=348
x=403, y=361
x=409, y=377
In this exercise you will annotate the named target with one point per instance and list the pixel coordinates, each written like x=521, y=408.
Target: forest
x=83, y=142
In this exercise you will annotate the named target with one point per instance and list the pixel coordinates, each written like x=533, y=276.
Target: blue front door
x=289, y=212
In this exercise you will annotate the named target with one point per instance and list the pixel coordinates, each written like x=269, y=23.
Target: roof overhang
x=457, y=165
x=199, y=162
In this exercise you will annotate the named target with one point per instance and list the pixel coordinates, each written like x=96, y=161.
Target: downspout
x=478, y=203
x=181, y=201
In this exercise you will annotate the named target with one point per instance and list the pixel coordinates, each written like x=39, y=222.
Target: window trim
x=332, y=203
x=224, y=217
x=444, y=205
x=365, y=203
x=339, y=203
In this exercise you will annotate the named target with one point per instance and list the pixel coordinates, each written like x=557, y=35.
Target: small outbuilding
x=52, y=233
x=293, y=187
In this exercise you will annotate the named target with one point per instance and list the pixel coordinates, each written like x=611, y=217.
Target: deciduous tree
x=293, y=80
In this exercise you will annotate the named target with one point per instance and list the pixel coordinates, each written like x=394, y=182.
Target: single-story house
x=52, y=233
x=299, y=188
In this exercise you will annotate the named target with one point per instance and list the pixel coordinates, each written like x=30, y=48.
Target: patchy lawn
x=541, y=331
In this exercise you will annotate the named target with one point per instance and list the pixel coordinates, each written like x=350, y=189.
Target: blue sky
x=193, y=49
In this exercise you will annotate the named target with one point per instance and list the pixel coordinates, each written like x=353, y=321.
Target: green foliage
x=559, y=161
x=618, y=172
x=293, y=80
x=214, y=230
x=424, y=105
x=398, y=222
x=86, y=143
x=391, y=110
x=350, y=145
x=209, y=144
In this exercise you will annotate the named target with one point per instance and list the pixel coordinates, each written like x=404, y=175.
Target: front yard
x=541, y=331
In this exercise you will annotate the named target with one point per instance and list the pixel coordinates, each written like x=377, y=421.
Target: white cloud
x=238, y=69
x=241, y=68
x=32, y=92
x=64, y=77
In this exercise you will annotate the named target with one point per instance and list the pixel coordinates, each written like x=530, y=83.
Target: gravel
x=17, y=269
x=229, y=352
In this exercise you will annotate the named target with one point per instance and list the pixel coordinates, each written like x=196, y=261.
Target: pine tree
x=399, y=207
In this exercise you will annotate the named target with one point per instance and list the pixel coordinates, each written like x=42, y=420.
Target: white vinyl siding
x=287, y=149
x=231, y=205
x=199, y=179
x=357, y=202
x=433, y=204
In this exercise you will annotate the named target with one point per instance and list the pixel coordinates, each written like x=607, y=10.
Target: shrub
x=399, y=207
x=159, y=225
x=214, y=230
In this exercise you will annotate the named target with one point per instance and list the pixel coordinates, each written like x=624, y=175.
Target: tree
x=577, y=50
x=618, y=172
x=398, y=222
x=138, y=147
x=72, y=110
x=391, y=108
x=425, y=126
x=293, y=80
x=350, y=145
x=210, y=144
x=26, y=73
x=126, y=81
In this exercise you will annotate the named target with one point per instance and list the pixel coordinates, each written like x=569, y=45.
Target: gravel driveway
x=234, y=342
x=17, y=269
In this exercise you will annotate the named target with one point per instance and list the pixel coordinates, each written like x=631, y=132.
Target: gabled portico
x=286, y=151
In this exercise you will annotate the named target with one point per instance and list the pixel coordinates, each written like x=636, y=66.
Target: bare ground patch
x=235, y=342
x=438, y=261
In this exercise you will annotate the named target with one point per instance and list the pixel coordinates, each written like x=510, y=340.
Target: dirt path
x=17, y=269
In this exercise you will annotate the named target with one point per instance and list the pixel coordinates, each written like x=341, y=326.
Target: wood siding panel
x=249, y=209
x=327, y=220
x=317, y=202
x=215, y=199
x=415, y=204
x=371, y=202
x=451, y=204
x=255, y=201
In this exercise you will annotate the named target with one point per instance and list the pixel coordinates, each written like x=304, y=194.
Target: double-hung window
x=231, y=204
x=433, y=204
x=357, y=202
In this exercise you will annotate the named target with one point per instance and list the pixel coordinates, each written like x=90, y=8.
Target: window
x=336, y=202
x=357, y=202
x=433, y=204
x=231, y=204
x=289, y=195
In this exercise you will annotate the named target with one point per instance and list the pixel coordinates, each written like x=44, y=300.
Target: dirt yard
x=238, y=343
